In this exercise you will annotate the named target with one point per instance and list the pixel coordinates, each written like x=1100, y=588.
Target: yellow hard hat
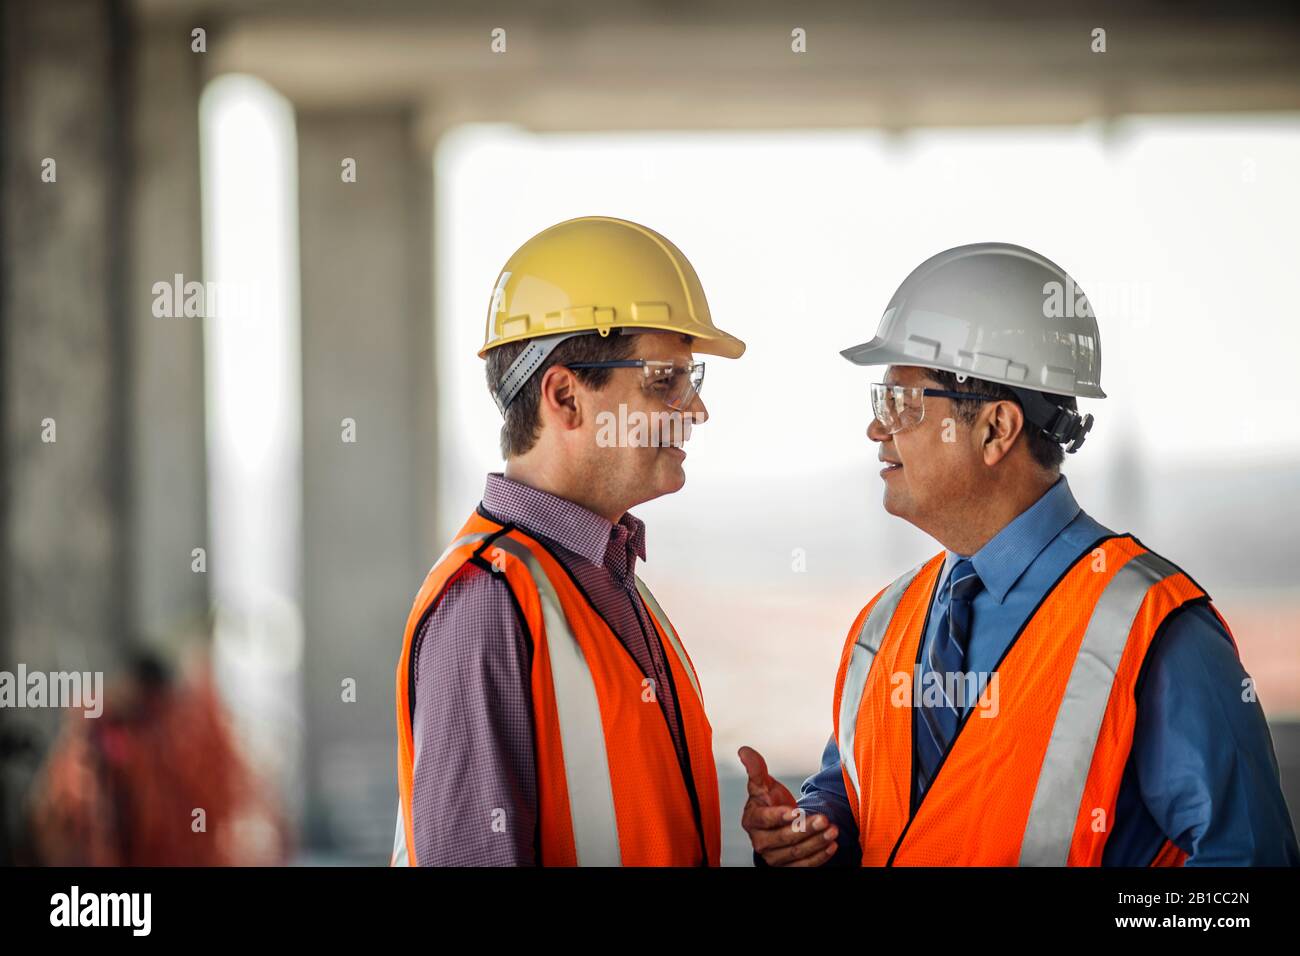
x=593, y=274
x=596, y=273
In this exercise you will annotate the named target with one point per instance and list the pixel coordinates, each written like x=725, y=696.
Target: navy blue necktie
x=947, y=655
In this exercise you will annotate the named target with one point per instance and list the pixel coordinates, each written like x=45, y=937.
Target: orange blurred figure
x=156, y=780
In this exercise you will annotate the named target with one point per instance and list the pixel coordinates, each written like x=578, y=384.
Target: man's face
x=930, y=467
x=637, y=437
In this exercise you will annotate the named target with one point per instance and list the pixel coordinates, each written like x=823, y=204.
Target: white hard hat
x=994, y=311
x=1001, y=313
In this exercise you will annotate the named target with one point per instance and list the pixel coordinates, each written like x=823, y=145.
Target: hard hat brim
x=879, y=352
x=725, y=345
x=876, y=352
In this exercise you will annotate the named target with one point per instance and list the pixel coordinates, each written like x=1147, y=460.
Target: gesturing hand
x=781, y=835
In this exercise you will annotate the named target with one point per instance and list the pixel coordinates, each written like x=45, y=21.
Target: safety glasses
x=900, y=406
x=674, y=383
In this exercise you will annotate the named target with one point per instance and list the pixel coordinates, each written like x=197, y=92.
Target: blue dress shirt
x=1202, y=768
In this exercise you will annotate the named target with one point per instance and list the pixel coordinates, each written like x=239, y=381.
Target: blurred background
x=247, y=253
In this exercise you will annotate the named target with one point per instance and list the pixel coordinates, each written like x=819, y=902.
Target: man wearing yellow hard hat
x=547, y=711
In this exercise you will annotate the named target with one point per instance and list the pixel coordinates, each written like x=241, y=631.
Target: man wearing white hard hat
x=1043, y=691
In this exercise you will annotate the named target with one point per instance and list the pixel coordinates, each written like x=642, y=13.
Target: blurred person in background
x=1044, y=691
x=547, y=712
x=156, y=780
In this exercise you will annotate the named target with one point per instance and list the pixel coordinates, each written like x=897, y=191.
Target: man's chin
x=672, y=477
x=893, y=505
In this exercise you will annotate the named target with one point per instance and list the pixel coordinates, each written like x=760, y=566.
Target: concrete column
x=367, y=461
x=168, y=476
x=64, y=352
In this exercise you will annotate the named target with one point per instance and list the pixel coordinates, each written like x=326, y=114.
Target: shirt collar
x=565, y=522
x=1009, y=553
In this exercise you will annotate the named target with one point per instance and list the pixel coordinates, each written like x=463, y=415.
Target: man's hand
x=780, y=833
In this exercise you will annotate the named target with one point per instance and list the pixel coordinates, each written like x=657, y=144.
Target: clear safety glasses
x=899, y=406
x=674, y=383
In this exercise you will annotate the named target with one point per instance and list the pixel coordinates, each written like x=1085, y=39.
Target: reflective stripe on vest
x=400, y=857
x=582, y=737
x=864, y=652
x=1057, y=796
x=667, y=628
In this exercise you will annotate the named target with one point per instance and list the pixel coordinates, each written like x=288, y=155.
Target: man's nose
x=698, y=413
x=876, y=431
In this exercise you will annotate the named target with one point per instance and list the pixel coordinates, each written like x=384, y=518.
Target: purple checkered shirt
x=475, y=792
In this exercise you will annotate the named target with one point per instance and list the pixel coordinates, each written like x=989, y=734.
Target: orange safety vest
x=610, y=787
x=1033, y=772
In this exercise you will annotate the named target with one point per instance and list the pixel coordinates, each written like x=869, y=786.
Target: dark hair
x=519, y=432
x=1047, y=453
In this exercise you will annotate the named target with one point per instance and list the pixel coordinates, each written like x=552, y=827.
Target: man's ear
x=1000, y=425
x=559, y=397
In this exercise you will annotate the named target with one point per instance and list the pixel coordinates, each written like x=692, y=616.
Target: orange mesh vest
x=1033, y=773
x=610, y=788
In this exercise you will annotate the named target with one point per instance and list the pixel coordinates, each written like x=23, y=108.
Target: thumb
x=756, y=768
